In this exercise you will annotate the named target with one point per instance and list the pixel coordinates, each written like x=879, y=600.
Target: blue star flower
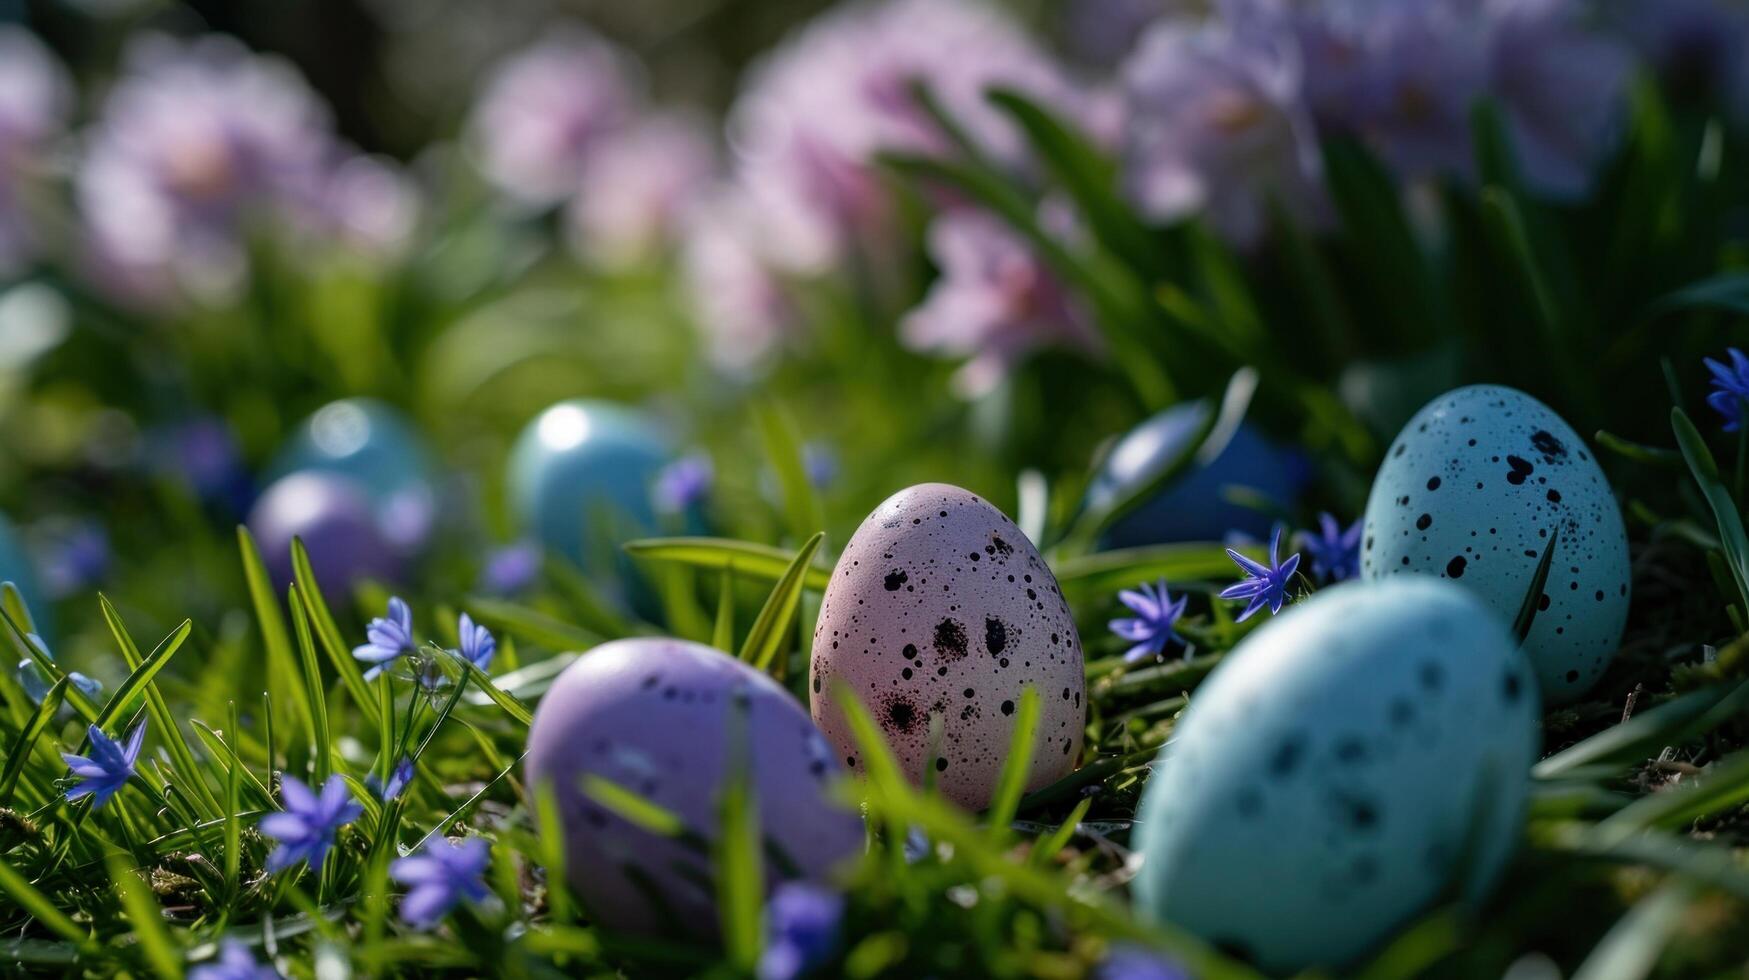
x=682, y=483
x=305, y=828
x=441, y=876
x=1335, y=550
x=35, y=680
x=511, y=569
x=391, y=638
x=1152, y=627
x=1136, y=963
x=235, y=962
x=1264, y=585
x=801, y=928
x=477, y=644
x=1731, y=387
x=399, y=777
x=109, y=766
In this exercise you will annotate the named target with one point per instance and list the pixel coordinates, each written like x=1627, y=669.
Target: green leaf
x=532, y=626
x=233, y=826
x=1017, y=767
x=181, y=758
x=1108, y=571
x=1717, y=788
x=500, y=697
x=324, y=746
x=38, y=905
x=147, y=919
x=1670, y=723
x=1718, y=496
x=1725, y=293
x=1045, y=849
x=723, y=633
x=757, y=561
x=1533, y=595
x=142, y=675
x=19, y=750
x=783, y=450
x=766, y=639
x=282, y=665
x=633, y=808
x=323, y=626
x=740, y=875
x=1631, y=948
x=75, y=697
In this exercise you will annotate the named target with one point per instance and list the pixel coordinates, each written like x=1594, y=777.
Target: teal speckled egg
x=580, y=478
x=1351, y=762
x=375, y=446
x=1471, y=491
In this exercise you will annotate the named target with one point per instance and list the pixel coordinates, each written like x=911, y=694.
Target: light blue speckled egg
x=1351, y=762
x=1471, y=491
x=583, y=468
x=376, y=447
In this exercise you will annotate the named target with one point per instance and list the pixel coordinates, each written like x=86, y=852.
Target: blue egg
x=1195, y=507
x=581, y=475
x=15, y=567
x=375, y=447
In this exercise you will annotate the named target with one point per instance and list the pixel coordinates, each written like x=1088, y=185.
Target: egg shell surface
x=653, y=715
x=333, y=516
x=1347, y=764
x=1194, y=507
x=1471, y=490
x=581, y=466
x=940, y=605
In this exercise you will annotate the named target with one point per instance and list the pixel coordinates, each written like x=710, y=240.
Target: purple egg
x=652, y=715
x=333, y=516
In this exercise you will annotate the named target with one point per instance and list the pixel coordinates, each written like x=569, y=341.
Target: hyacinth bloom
x=107, y=769
x=636, y=186
x=35, y=99
x=1136, y=963
x=1218, y=125
x=1264, y=584
x=399, y=778
x=995, y=301
x=683, y=484
x=511, y=569
x=306, y=827
x=235, y=962
x=1562, y=88
x=477, y=644
x=1697, y=46
x=1152, y=627
x=391, y=637
x=801, y=926
x=816, y=112
x=442, y=876
x=544, y=109
x=1335, y=550
x=1730, y=384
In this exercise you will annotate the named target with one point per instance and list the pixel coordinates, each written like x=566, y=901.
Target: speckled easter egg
x=1350, y=763
x=1195, y=507
x=653, y=715
x=374, y=445
x=340, y=530
x=1471, y=491
x=940, y=606
x=581, y=476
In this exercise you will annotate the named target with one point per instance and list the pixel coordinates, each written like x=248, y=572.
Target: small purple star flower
x=305, y=828
x=1730, y=387
x=1264, y=585
x=391, y=637
x=683, y=484
x=1335, y=550
x=511, y=569
x=1136, y=963
x=1151, y=629
x=399, y=777
x=441, y=876
x=235, y=962
x=478, y=646
x=801, y=928
x=109, y=766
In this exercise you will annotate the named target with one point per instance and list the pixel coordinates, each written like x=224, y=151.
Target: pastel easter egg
x=941, y=606
x=374, y=445
x=333, y=516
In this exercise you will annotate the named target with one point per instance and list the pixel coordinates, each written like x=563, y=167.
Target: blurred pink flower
x=35, y=99
x=636, y=186
x=367, y=203
x=994, y=302
x=542, y=110
x=739, y=303
x=817, y=111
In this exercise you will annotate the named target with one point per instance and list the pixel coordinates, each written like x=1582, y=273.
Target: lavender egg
x=652, y=715
x=1472, y=490
x=332, y=515
x=941, y=606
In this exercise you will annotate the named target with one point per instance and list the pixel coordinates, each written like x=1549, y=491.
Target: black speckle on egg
x=995, y=635
x=1423, y=522
x=895, y=580
x=1008, y=707
x=950, y=639
x=1455, y=567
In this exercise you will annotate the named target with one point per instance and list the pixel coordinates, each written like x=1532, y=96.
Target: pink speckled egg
x=940, y=605
x=652, y=715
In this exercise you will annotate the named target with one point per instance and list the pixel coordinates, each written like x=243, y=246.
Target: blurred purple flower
x=682, y=484
x=1562, y=88
x=1730, y=384
x=637, y=185
x=234, y=962
x=1136, y=963
x=75, y=556
x=399, y=777
x=305, y=828
x=801, y=930
x=367, y=203
x=739, y=302
x=1218, y=125
x=544, y=108
x=1699, y=47
x=994, y=301
x=391, y=637
x=1100, y=32
x=511, y=569
x=442, y=876
x=820, y=462
x=1264, y=584
x=1153, y=625
x=203, y=452
x=815, y=112
x=1335, y=550
x=477, y=644
x=35, y=99
x=109, y=766
x=197, y=141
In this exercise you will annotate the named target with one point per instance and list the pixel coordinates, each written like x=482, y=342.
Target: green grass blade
x=19, y=750
x=1719, y=787
x=500, y=697
x=783, y=450
x=38, y=905
x=740, y=873
x=1017, y=767
x=312, y=671
x=181, y=757
x=1718, y=496
x=83, y=705
x=1533, y=595
x=138, y=681
x=233, y=827
x=532, y=626
x=1670, y=723
x=723, y=631
x=1045, y=849
x=771, y=628
x=147, y=919
x=323, y=626
x=283, y=671
x=1631, y=948
x=757, y=561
